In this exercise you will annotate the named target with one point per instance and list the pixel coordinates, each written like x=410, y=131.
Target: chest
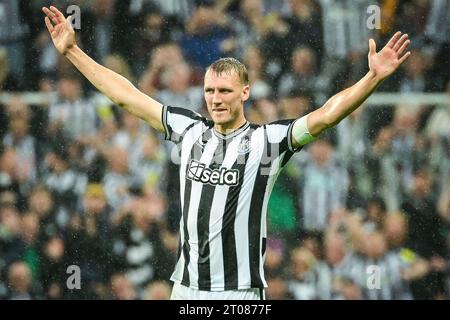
x=222, y=162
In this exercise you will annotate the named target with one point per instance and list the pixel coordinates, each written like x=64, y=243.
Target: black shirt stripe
x=196, y=153
x=254, y=220
x=204, y=212
x=229, y=217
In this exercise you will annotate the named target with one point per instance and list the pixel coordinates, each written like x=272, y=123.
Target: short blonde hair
x=226, y=65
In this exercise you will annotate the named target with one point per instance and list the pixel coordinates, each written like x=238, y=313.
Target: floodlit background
x=362, y=213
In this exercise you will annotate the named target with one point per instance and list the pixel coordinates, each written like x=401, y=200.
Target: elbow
x=333, y=122
x=120, y=103
x=123, y=93
x=334, y=111
x=330, y=120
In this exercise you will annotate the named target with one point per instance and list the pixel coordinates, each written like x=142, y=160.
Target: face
x=376, y=245
x=8, y=161
x=421, y=183
x=69, y=89
x=295, y=106
x=122, y=288
x=374, y=211
x=303, y=61
x=54, y=248
x=41, y=202
x=321, y=152
x=19, y=127
x=179, y=76
x=274, y=258
x=253, y=58
x=94, y=204
x=334, y=249
x=395, y=230
x=118, y=160
x=225, y=96
x=30, y=226
x=251, y=6
x=19, y=277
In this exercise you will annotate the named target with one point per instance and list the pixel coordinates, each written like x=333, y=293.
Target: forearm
x=381, y=65
x=345, y=102
x=116, y=87
x=106, y=81
x=342, y=104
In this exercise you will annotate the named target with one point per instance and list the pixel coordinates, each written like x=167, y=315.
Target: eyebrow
x=219, y=87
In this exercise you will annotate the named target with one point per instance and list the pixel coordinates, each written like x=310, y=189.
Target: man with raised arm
x=228, y=166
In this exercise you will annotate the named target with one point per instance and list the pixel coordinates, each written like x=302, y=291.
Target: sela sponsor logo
x=198, y=171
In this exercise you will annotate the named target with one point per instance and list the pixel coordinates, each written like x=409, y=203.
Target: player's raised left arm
x=381, y=65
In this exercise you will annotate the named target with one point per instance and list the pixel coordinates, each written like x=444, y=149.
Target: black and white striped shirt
x=225, y=184
x=389, y=267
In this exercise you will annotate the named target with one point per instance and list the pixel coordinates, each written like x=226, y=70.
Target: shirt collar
x=232, y=134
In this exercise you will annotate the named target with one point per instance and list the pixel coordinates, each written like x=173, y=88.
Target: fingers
x=51, y=15
x=403, y=47
x=58, y=14
x=393, y=40
x=47, y=11
x=54, y=14
x=69, y=21
x=372, y=47
x=406, y=56
x=49, y=25
x=400, y=42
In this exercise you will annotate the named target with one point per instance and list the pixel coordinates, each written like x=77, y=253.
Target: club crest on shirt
x=244, y=145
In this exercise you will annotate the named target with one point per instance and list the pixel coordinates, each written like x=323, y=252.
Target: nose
x=216, y=98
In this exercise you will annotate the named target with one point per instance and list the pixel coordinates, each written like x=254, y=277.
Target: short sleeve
x=177, y=121
x=280, y=133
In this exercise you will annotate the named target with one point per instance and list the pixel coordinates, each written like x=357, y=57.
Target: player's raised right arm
x=121, y=91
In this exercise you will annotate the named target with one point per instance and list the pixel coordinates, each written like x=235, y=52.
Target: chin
x=221, y=120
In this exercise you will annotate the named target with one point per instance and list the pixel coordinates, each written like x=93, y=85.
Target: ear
x=245, y=92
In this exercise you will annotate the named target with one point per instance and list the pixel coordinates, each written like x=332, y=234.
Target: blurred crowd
x=362, y=213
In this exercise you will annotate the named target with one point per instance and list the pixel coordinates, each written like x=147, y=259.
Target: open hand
x=388, y=59
x=60, y=28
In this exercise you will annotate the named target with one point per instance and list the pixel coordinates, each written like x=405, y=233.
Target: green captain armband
x=300, y=131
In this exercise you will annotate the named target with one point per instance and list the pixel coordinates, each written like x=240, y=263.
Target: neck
x=227, y=128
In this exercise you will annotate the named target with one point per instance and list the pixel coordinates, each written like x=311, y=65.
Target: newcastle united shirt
x=225, y=185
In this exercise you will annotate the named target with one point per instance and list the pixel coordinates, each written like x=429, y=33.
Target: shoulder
x=183, y=112
x=279, y=130
x=282, y=122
